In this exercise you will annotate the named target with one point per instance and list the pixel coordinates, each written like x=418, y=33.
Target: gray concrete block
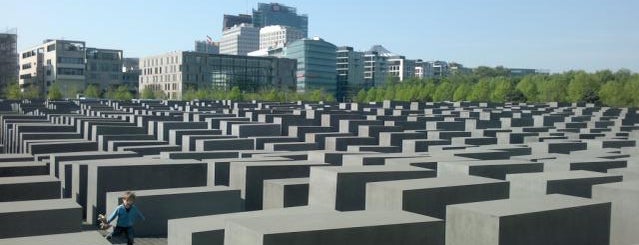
x=430, y=196
x=29, y=188
x=360, y=227
x=342, y=143
x=161, y=205
x=103, y=140
x=27, y=168
x=496, y=169
x=344, y=188
x=210, y=229
x=256, y=130
x=189, y=141
x=76, y=238
x=138, y=174
x=261, y=141
x=575, y=183
x=61, y=167
x=284, y=193
x=291, y=146
x=250, y=176
x=625, y=215
x=25, y=218
x=224, y=144
x=57, y=147
x=175, y=135
x=582, y=162
x=552, y=219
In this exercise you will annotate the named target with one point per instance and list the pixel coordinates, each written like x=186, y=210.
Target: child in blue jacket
x=127, y=214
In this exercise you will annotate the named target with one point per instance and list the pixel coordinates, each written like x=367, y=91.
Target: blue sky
x=546, y=34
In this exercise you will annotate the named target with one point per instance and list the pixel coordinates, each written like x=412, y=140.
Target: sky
x=553, y=35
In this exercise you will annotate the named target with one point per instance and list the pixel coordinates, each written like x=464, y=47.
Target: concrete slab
x=284, y=193
x=625, y=215
x=430, y=196
x=29, y=188
x=161, y=205
x=551, y=219
x=360, y=227
x=76, y=238
x=344, y=188
x=25, y=218
x=575, y=183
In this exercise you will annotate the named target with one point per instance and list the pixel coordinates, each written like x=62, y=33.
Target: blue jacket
x=126, y=219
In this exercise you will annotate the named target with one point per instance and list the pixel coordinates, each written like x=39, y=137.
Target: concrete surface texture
x=228, y=172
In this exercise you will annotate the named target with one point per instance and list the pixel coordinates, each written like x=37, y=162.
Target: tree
x=361, y=96
x=235, y=94
x=32, y=92
x=528, y=87
x=481, y=91
x=92, y=91
x=444, y=92
x=54, y=92
x=503, y=87
x=553, y=90
x=12, y=91
x=426, y=91
x=120, y=93
x=581, y=85
x=147, y=93
x=462, y=92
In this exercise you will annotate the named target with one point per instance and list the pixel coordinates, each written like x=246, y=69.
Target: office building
x=104, y=67
x=55, y=61
x=175, y=72
x=131, y=72
x=316, y=64
x=207, y=46
x=268, y=14
x=440, y=69
x=423, y=69
x=350, y=72
x=376, y=65
x=234, y=20
x=240, y=40
x=70, y=65
x=400, y=68
x=8, y=57
x=278, y=36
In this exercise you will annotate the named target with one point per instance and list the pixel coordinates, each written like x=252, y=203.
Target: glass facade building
x=350, y=72
x=268, y=14
x=316, y=64
x=8, y=57
x=176, y=72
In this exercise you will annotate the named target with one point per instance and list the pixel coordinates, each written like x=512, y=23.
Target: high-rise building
x=268, y=14
x=174, y=72
x=104, y=67
x=131, y=72
x=234, y=20
x=423, y=69
x=316, y=64
x=400, y=68
x=240, y=40
x=55, y=61
x=350, y=72
x=207, y=46
x=376, y=65
x=440, y=68
x=278, y=36
x=8, y=57
x=70, y=65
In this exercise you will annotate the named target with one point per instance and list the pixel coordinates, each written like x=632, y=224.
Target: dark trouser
x=128, y=231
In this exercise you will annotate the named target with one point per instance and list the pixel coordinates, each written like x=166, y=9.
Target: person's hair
x=129, y=195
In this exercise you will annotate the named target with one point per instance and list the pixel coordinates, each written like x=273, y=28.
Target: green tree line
x=608, y=88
